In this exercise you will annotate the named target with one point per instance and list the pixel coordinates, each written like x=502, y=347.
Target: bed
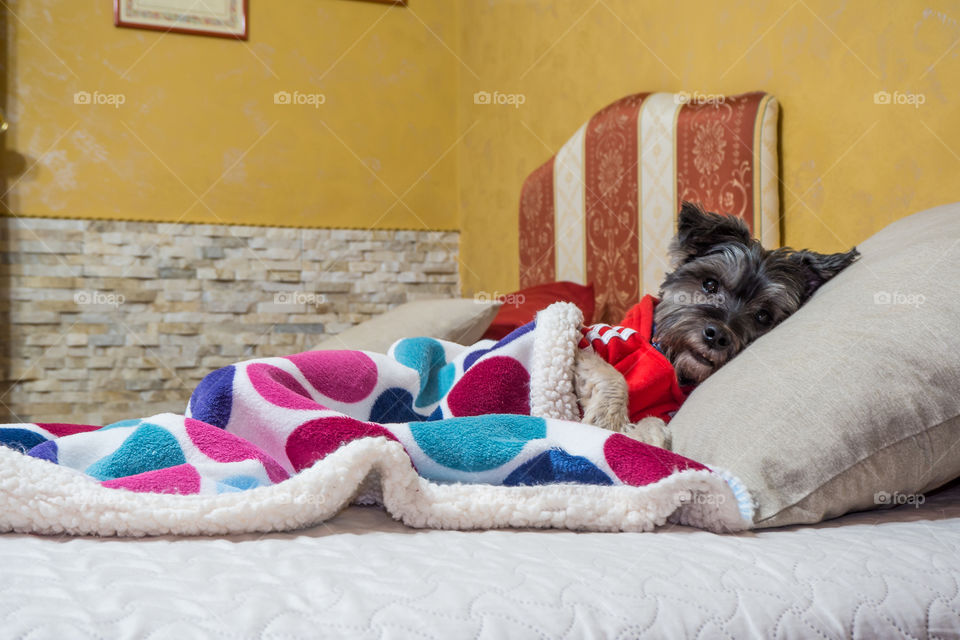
x=887, y=574
x=872, y=574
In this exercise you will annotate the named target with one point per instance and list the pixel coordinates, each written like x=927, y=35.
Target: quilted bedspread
x=442, y=435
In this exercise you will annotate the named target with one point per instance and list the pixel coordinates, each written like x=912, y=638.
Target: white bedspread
x=871, y=575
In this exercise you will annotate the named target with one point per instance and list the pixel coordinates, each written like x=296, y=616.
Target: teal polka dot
x=444, y=380
x=427, y=357
x=123, y=423
x=477, y=443
x=148, y=448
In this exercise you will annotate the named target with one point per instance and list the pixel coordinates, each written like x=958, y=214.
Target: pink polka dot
x=639, y=464
x=279, y=387
x=60, y=429
x=344, y=376
x=219, y=445
x=495, y=385
x=316, y=439
x=182, y=479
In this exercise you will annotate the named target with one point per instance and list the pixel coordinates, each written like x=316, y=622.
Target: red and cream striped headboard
x=603, y=209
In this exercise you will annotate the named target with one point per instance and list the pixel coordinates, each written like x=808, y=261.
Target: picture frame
x=218, y=18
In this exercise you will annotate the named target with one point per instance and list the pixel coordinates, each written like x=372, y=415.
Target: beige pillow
x=460, y=320
x=854, y=402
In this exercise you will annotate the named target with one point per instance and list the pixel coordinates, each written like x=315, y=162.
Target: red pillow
x=521, y=307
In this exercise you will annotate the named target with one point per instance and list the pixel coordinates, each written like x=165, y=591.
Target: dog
x=724, y=292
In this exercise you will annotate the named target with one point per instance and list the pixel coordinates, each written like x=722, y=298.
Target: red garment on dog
x=651, y=380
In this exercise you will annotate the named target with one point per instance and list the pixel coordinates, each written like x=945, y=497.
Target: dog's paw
x=601, y=392
x=651, y=431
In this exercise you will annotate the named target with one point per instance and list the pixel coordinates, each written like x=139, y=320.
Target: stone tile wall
x=106, y=320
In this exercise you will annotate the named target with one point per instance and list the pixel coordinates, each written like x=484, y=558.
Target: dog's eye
x=763, y=317
x=710, y=285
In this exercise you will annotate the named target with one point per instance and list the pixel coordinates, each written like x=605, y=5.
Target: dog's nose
x=715, y=337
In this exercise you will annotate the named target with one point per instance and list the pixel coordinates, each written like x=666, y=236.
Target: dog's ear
x=698, y=231
x=820, y=267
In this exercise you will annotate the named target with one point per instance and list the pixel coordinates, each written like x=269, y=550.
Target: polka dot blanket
x=441, y=435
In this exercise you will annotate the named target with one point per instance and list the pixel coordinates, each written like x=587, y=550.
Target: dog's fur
x=725, y=291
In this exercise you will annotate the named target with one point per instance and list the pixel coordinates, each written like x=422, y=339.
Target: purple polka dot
x=496, y=385
x=510, y=337
x=344, y=376
x=212, y=400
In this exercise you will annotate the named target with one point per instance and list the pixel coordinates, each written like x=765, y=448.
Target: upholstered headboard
x=603, y=209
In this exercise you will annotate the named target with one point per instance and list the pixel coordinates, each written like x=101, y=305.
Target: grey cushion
x=460, y=320
x=854, y=402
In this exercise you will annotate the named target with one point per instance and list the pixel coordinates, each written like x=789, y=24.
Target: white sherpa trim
x=40, y=497
x=745, y=501
x=555, y=341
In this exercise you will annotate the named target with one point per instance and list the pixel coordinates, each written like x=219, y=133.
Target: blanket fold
x=442, y=435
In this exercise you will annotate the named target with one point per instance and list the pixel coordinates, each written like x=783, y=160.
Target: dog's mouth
x=694, y=365
x=693, y=360
x=702, y=358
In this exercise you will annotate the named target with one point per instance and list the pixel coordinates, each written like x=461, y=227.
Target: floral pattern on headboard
x=603, y=209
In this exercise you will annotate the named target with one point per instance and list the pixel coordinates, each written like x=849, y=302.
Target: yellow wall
x=199, y=117
x=849, y=166
x=399, y=87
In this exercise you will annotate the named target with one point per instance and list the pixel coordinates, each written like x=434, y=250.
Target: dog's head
x=726, y=290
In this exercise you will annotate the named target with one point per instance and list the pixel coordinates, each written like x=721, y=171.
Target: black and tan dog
x=725, y=291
